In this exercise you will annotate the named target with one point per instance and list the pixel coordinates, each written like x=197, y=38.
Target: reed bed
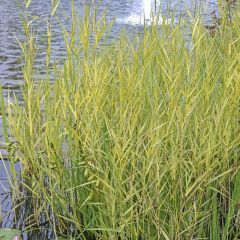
x=137, y=139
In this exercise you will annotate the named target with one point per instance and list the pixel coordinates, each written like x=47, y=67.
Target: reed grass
x=137, y=139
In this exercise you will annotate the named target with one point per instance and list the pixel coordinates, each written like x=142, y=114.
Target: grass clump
x=138, y=139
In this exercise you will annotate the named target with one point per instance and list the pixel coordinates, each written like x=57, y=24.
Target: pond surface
x=126, y=14
x=122, y=10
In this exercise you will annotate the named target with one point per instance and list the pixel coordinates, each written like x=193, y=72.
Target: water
x=127, y=14
x=5, y=197
x=121, y=10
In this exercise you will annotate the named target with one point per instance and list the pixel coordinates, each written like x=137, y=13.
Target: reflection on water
x=11, y=27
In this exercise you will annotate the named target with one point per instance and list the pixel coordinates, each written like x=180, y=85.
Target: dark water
x=5, y=196
x=125, y=12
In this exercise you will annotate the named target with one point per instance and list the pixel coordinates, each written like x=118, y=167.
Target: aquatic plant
x=9, y=234
x=137, y=139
